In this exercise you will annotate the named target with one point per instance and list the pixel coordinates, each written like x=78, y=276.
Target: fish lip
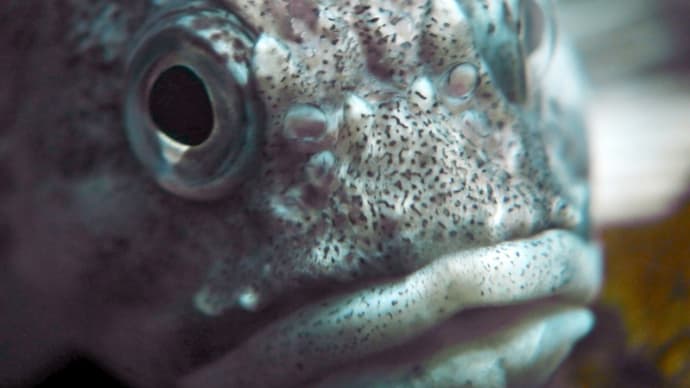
x=465, y=332
x=311, y=342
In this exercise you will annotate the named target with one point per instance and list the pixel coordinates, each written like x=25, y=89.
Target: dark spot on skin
x=314, y=197
x=76, y=369
x=360, y=9
x=376, y=67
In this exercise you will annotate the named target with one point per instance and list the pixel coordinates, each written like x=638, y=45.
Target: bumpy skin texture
x=400, y=175
x=395, y=143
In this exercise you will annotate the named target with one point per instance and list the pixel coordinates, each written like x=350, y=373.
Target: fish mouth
x=509, y=311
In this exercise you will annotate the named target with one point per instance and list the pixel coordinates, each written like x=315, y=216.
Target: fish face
x=321, y=182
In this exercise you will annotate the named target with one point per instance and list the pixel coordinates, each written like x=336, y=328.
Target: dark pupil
x=180, y=106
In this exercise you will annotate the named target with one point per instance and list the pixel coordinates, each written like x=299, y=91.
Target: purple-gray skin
x=280, y=193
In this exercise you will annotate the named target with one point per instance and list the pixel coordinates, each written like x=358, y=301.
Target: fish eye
x=190, y=112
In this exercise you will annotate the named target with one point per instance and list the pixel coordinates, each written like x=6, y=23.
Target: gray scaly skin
x=371, y=170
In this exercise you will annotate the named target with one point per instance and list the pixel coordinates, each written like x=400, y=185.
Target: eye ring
x=191, y=115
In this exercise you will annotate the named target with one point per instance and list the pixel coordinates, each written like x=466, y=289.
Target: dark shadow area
x=78, y=372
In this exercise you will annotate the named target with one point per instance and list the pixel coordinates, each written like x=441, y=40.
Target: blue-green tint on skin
x=508, y=355
x=369, y=176
x=361, y=324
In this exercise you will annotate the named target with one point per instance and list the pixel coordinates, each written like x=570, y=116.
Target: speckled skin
x=411, y=145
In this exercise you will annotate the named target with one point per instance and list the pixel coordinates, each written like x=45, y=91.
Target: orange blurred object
x=648, y=282
x=642, y=335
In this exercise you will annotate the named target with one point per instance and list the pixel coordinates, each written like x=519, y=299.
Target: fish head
x=226, y=168
x=344, y=143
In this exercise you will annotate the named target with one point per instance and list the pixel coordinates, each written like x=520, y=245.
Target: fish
x=294, y=193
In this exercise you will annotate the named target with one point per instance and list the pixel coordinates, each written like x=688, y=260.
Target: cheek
x=142, y=245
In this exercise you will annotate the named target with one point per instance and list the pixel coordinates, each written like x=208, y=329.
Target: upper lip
x=308, y=342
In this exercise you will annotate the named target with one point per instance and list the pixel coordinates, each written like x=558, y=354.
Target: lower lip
x=516, y=346
x=313, y=341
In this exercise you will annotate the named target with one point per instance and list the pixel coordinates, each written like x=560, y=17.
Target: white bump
x=248, y=299
x=309, y=129
x=305, y=122
x=357, y=110
x=208, y=303
x=320, y=167
x=422, y=93
x=475, y=124
x=288, y=206
x=461, y=81
x=270, y=56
